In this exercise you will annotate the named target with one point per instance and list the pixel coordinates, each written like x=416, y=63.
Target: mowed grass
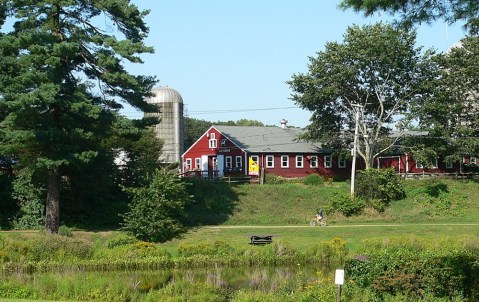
x=445, y=209
x=303, y=238
x=426, y=201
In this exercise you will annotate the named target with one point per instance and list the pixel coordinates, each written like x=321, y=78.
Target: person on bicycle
x=319, y=216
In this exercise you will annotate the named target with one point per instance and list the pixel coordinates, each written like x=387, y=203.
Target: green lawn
x=304, y=237
x=426, y=201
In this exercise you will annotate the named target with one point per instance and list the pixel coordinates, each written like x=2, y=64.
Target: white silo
x=170, y=126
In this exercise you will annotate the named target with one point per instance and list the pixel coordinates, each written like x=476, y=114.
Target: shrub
x=65, y=231
x=383, y=185
x=54, y=247
x=347, y=205
x=313, y=180
x=331, y=251
x=157, y=210
x=412, y=268
x=121, y=240
x=273, y=179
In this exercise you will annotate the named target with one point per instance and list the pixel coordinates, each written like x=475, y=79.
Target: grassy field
x=304, y=237
x=433, y=208
x=428, y=200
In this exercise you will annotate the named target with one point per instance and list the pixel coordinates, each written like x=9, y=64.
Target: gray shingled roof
x=268, y=139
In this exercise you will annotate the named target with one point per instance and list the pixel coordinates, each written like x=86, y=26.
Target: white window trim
x=269, y=161
x=341, y=163
x=449, y=165
x=287, y=161
x=228, y=160
x=299, y=160
x=188, y=164
x=328, y=158
x=213, y=144
x=313, y=163
x=198, y=163
x=239, y=162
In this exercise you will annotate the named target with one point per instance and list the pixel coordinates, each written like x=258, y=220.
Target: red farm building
x=245, y=150
x=241, y=150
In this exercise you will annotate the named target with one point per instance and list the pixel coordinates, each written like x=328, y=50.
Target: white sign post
x=339, y=280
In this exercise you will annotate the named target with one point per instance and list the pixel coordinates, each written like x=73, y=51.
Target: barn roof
x=269, y=139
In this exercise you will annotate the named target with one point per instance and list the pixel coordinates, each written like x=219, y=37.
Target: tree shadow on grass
x=435, y=189
x=213, y=204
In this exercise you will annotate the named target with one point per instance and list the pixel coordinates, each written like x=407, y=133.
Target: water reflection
x=259, y=278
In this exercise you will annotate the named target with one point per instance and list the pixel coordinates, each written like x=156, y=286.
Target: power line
x=240, y=110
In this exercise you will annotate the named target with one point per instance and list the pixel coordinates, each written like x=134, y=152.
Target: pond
x=265, y=279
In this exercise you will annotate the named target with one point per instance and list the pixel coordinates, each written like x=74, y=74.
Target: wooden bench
x=261, y=239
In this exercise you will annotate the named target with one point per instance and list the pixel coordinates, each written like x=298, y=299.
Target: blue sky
x=230, y=59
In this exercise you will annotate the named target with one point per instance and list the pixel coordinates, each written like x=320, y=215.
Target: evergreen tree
x=62, y=76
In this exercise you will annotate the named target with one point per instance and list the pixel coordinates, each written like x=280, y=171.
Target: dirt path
x=339, y=226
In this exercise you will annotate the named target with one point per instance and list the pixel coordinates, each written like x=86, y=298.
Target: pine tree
x=62, y=77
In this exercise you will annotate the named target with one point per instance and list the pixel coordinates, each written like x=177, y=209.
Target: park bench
x=261, y=239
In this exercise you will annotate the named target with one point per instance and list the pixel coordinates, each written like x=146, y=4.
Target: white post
x=339, y=281
x=353, y=165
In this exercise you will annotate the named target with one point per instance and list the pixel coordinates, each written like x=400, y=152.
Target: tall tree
x=451, y=112
x=62, y=75
x=376, y=72
x=418, y=11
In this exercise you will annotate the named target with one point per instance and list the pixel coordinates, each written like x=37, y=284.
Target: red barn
x=240, y=150
x=244, y=150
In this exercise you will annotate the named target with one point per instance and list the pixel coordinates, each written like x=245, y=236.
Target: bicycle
x=322, y=223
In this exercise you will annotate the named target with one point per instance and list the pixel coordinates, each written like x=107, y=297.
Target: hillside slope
x=427, y=201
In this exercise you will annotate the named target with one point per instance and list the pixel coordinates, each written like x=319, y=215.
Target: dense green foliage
x=414, y=267
x=157, y=210
x=419, y=11
x=384, y=185
x=377, y=67
x=451, y=112
x=62, y=81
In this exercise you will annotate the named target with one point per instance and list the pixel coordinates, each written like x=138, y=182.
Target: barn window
x=197, y=163
x=228, y=162
x=328, y=163
x=284, y=161
x=269, y=161
x=239, y=161
x=342, y=163
x=299, y=161
x=432, y=164
x=212, y=141
x=188, y=164
x=313, y=162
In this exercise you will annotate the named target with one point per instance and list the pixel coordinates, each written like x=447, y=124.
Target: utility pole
x=261, y=171
x=356, y=107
